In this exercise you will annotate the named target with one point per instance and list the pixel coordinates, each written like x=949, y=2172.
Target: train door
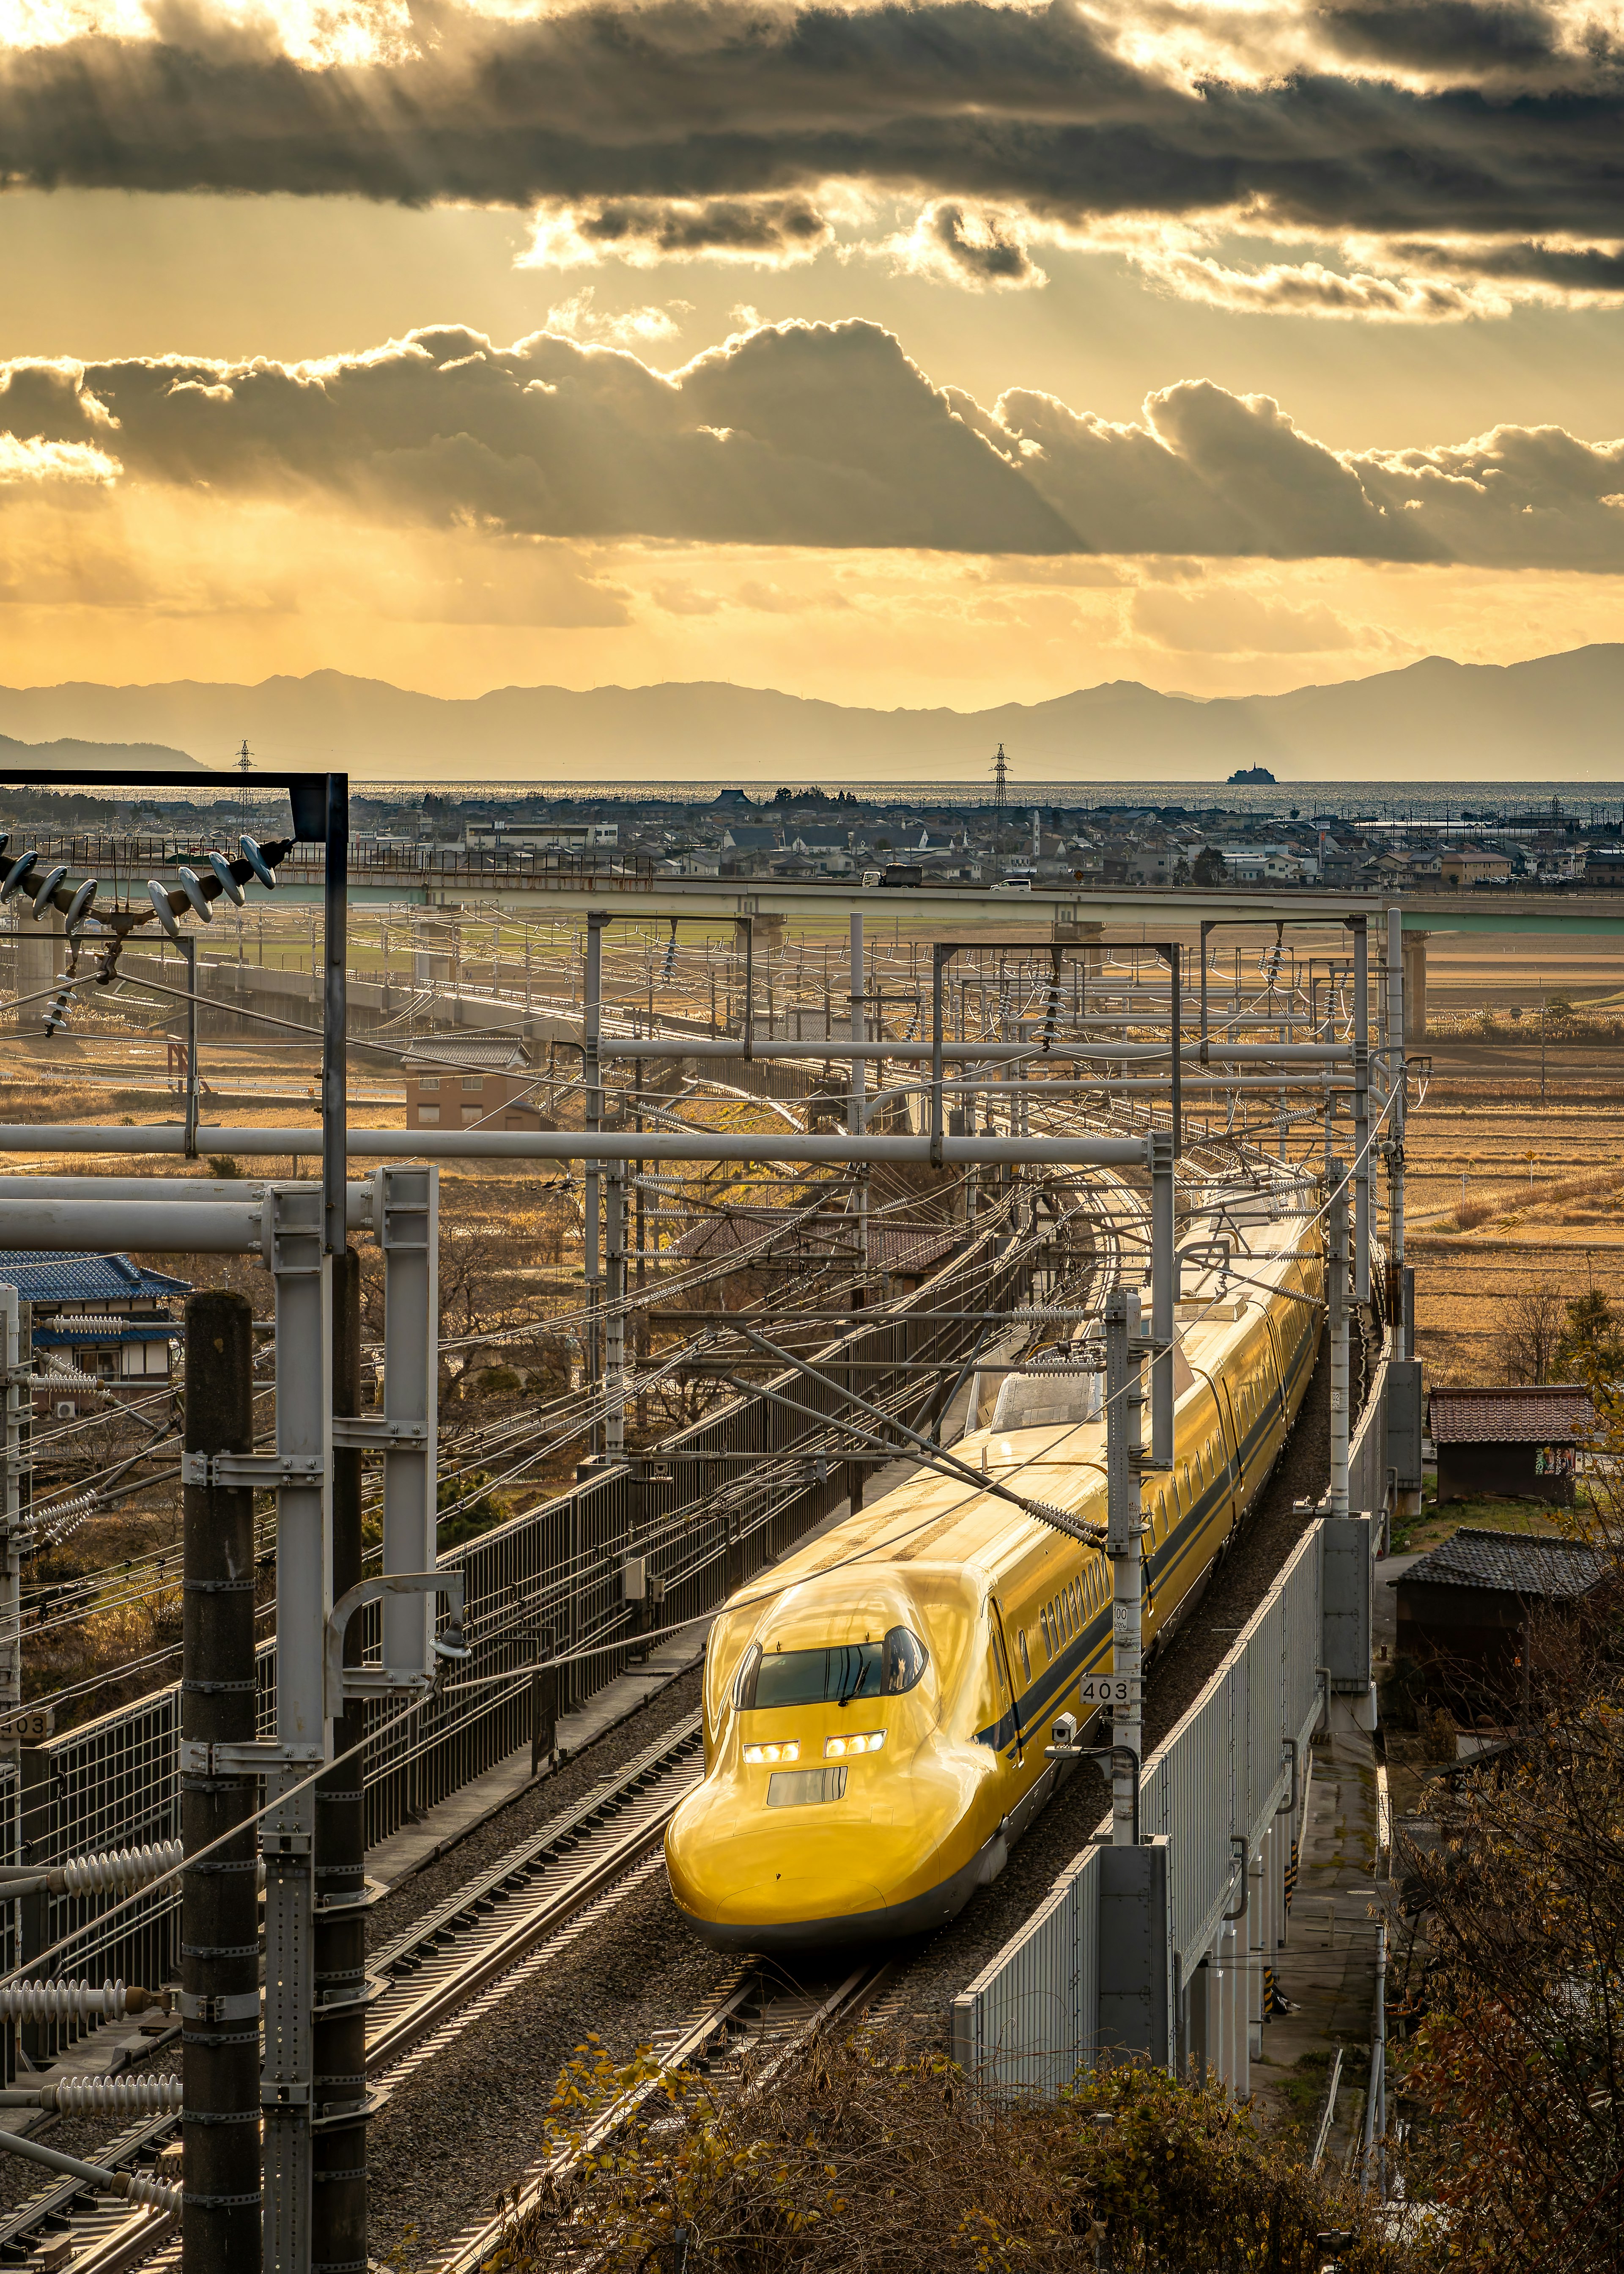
x=1004, y=1671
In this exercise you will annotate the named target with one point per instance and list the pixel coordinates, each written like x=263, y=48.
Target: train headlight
x=866, y=1741
x=788, y=1750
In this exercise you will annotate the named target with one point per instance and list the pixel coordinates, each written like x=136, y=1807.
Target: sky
x=900, y=355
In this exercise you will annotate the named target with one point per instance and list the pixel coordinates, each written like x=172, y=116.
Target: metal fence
x=1030, y=2019
x=706, y=1527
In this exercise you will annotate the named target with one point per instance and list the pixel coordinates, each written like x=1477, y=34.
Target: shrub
x=863, y=2154
x=224, y=1165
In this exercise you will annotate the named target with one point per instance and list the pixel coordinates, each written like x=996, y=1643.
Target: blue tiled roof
x=51, y=1276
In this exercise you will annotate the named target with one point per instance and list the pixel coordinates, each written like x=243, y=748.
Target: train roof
x=935, y=1526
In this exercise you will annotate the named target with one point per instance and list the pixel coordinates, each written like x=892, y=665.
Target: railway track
x=444, y=1973
x=758, y=2016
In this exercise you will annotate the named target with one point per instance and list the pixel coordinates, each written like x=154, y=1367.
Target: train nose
x=742, y=1886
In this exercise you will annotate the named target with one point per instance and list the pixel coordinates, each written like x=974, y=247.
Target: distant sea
x=1348, y=800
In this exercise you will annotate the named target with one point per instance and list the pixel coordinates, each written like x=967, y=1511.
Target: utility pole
x=220, y=1906
x=1336, y=1307
x=1123, y=1401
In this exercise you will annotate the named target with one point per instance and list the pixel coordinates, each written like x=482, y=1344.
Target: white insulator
x=114, y=2095
x=126, y=1867
x=64, y=1517
x=61, y=2001
x=139, y=2189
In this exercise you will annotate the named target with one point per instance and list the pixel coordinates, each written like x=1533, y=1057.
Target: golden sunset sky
x=899, y=355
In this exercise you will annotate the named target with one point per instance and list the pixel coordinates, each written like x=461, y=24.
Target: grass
x=1435, y=1524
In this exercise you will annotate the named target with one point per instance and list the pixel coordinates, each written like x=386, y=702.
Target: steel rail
x=488, y=1927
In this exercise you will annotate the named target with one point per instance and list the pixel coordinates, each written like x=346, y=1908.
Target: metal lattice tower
x=1000, y=801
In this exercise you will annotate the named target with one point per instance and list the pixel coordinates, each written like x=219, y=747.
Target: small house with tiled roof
x=1466, y=1607
x=1518, y=1440
x=100, y=1319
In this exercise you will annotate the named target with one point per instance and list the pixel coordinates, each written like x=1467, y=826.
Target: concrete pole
x=1399, y=1324
x=1124, y=1545
x=1336, y=1293
x=338, y=2215
x=220, y=1907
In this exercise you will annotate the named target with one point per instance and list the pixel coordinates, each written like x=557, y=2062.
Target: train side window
x=1025, y=1660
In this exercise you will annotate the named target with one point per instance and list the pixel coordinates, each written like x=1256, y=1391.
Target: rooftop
x=53, y=1275
x=464, y=1054
x=1513, y=1414
x=1510, y=1564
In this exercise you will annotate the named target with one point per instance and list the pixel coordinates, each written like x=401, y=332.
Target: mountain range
x=1556, y=717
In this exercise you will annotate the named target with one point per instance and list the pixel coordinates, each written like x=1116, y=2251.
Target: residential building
x=98, y=1316
x=457, y=1082
x=540, y=836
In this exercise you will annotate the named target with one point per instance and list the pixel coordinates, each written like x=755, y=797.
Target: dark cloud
x=804, y=434
x=1456, y=37
x=1422, y=119
x=821, y=435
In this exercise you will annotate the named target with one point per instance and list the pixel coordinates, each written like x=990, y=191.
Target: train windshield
x=834, y=1675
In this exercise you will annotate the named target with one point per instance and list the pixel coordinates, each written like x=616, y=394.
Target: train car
x=876, y=1705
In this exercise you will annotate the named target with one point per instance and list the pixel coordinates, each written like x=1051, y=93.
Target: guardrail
x=1031, y=2018
x=705, y=1530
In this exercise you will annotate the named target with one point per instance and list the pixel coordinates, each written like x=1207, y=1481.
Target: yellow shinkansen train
x=876, y=1705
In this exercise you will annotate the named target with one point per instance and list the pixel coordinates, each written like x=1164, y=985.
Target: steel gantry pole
x=1361, y=1112
x=1398, y=1324
x=614, y=1311
x=302, y=1269
x=857, y=1110
x=334, y=1013
x=1125, y=1547
x=591, y=1075
x=1164, y=1295
x=1337, y=1311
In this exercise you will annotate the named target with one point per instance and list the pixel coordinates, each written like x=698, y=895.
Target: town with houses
x=805, y=834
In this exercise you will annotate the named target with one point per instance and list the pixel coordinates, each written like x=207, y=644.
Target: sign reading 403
x=1109, y=1690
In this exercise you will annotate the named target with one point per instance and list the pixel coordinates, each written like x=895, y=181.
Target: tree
x=1592, y=1347
x=1530, y=1331
x=1210, y=866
